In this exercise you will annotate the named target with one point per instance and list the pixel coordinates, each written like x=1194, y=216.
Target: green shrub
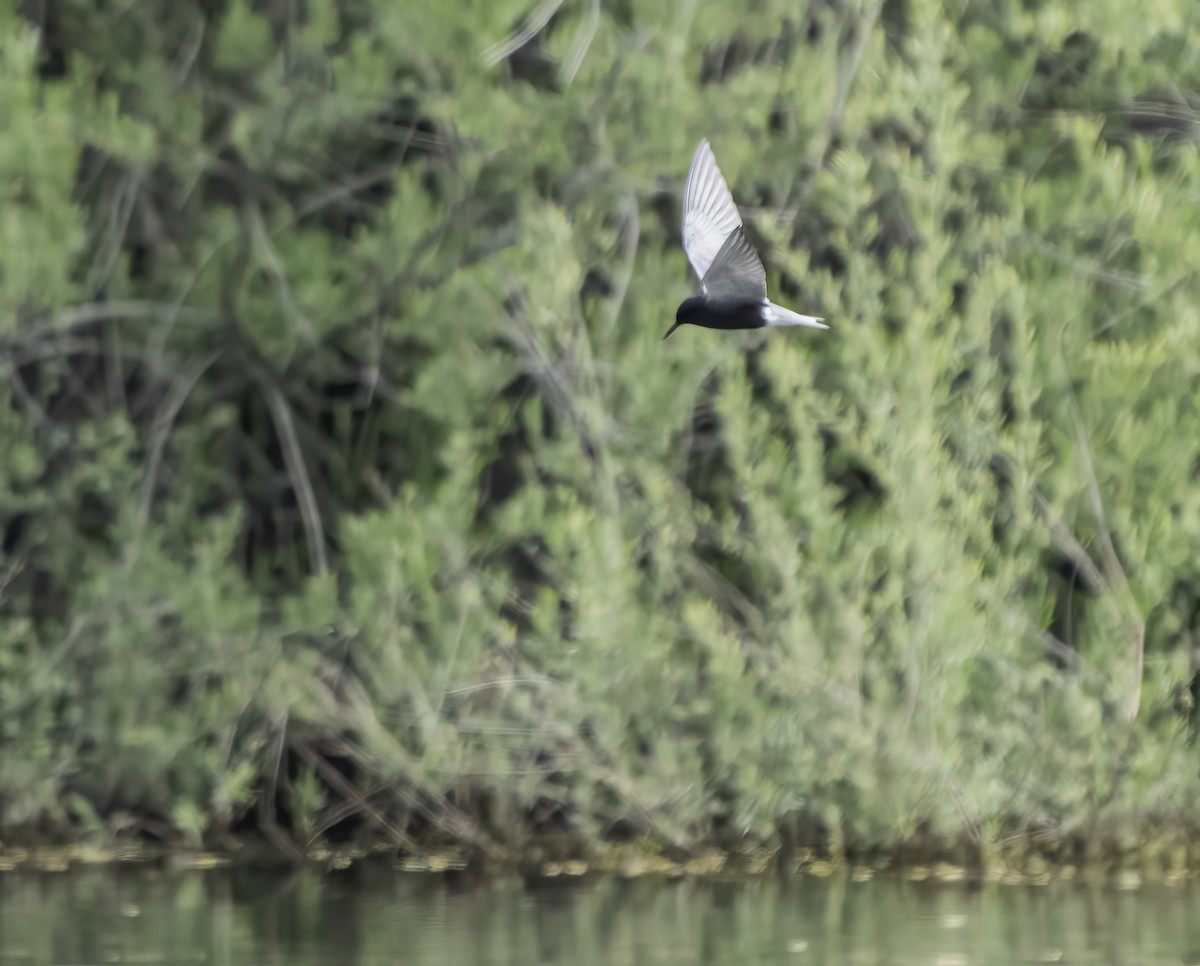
x=350, y=485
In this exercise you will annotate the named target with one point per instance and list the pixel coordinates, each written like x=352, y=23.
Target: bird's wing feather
x=709, y=214
x=737, y=271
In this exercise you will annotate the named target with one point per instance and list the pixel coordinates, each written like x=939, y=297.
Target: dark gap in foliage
x=596, y=284
x=1000, y=350
x=16, y=532
x=46, y=16
x=70, y=395
x=814, y=25
x=303, y=752
x=762, y=392
x=958, y=295
x=734, y=571
x=791, y=288
x=1073, y=593
x=925, y=844
x=355, y=18
x=810, y=232
x=228, y=182
x=1003, y=511
x=505, y=474
x=547, y=817
x=899, y=132
x=723, y=61
x=401, y=134
x=533, y=65
x=707, y=474
x=896, y=17
x=346, y=431
x=667, y=208
x=528, y=561
x=625, y=829
x=987, y=194
x=801, y=831
x=1063, y=79
x=369, y=430
x=1191, y=707
x=711, y=481
x=779, y=120
x=862, y=489
x=529, y=565
x=895, y=231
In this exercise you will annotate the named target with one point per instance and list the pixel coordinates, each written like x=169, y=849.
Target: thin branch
x=281, y=415
x=847, y=71
x=338, y=782
x=181, y=389
x=1116, y=576
x=581, y=44
x=519, y=38
x=120, y=214
x=631, y=230
x=189, y=53
x=88, y=313
x=261, y=240
x=537, y=680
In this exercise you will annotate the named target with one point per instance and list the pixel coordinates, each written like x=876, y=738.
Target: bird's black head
x=688, y=311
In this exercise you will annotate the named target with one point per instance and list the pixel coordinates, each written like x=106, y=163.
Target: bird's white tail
x=775, y=315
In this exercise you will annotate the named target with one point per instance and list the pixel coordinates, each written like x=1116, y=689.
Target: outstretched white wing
x=709, y=214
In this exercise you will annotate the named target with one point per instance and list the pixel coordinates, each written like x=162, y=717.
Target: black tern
x=731, y=274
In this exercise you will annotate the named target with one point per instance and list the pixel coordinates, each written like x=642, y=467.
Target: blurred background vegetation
x=349, y=493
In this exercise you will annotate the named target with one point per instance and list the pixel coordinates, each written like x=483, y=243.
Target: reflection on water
x=375, y=915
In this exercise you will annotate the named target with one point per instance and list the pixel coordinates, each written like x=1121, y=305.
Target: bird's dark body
x=720, y=313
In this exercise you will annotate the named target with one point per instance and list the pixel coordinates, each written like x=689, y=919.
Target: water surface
x=371, y=915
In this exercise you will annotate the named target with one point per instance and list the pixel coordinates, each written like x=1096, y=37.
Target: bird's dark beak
x=670, y=330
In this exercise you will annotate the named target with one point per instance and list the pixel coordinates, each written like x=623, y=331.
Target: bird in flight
x=732, y=278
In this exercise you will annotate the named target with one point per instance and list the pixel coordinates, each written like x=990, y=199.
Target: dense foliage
x=349, y=489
